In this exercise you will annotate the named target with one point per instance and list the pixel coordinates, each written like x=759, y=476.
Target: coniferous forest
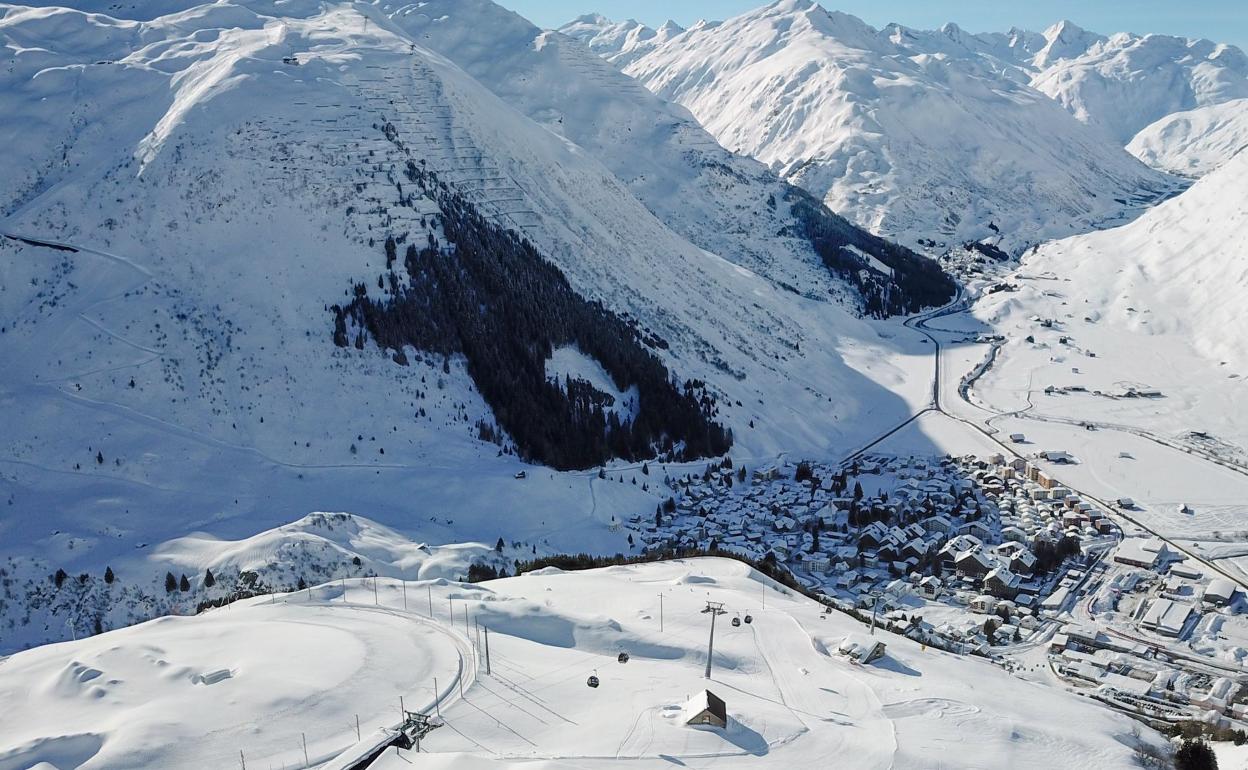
x=490, y=296
x=917, y=282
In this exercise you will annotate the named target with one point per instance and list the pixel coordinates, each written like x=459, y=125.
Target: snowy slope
x=1156, y=305
x=307, y=664
x=719, y=201
x=1194, y=142
x=1124, y=82
x=223, y=175
x=1184, y=262
x=910, y=142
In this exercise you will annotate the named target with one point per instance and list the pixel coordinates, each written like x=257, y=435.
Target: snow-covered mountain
x=215, y=216
x=619, y=41
x=1194, y=142
x=892, y=129
x=721, y=202
x=1178, y=275
x=1124, y=82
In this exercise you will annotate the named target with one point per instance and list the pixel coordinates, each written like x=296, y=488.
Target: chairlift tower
x=714, y=608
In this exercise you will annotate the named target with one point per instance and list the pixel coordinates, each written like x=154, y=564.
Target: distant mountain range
x=934, y=137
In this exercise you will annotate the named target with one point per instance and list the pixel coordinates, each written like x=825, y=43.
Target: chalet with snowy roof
x=706, y=709
x=1002, y=583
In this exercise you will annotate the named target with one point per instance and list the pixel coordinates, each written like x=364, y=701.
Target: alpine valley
x=919, y=352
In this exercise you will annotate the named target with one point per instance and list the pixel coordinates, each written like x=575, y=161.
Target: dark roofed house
x=706, y=708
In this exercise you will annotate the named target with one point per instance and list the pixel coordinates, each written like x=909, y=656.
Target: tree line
x=492, y=297
x=917, y=281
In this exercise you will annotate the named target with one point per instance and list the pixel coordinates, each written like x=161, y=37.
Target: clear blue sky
x=1224, y=21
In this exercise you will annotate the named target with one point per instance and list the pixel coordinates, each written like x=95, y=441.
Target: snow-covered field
x=1138, y=331
x=309, y=662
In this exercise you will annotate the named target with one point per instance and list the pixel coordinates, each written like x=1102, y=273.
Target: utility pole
x=437, y=700
x=487, y=649
x=357, y=727
x=715, y=608
x=375, y=590
x=660, y=613
x=405, y=596
x=430, y=590
x=875, y=602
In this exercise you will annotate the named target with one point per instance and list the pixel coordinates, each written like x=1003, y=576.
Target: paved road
x=961, y=304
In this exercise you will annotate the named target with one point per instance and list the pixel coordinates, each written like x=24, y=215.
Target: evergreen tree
x=109, y=577
x=99, y=458
x=1195, y=754
x=857, y=490
x=498, y=547
x=184, y=584
x=171, y=583
x=59, y=577
x=302, y=583
x=209, y=580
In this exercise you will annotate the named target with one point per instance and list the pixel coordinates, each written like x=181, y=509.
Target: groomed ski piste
x=252, y=681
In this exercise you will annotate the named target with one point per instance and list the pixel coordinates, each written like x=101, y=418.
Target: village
x=987, y=556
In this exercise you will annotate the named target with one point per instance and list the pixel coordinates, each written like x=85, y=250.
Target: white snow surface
x=920, y=136
x=1124, y=82
x=1194, y=142
x=175, y=370
x=1156, y=305
x=309, y=662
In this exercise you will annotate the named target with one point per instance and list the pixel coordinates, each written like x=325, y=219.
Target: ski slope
x=255, y=677
x=791, y=701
